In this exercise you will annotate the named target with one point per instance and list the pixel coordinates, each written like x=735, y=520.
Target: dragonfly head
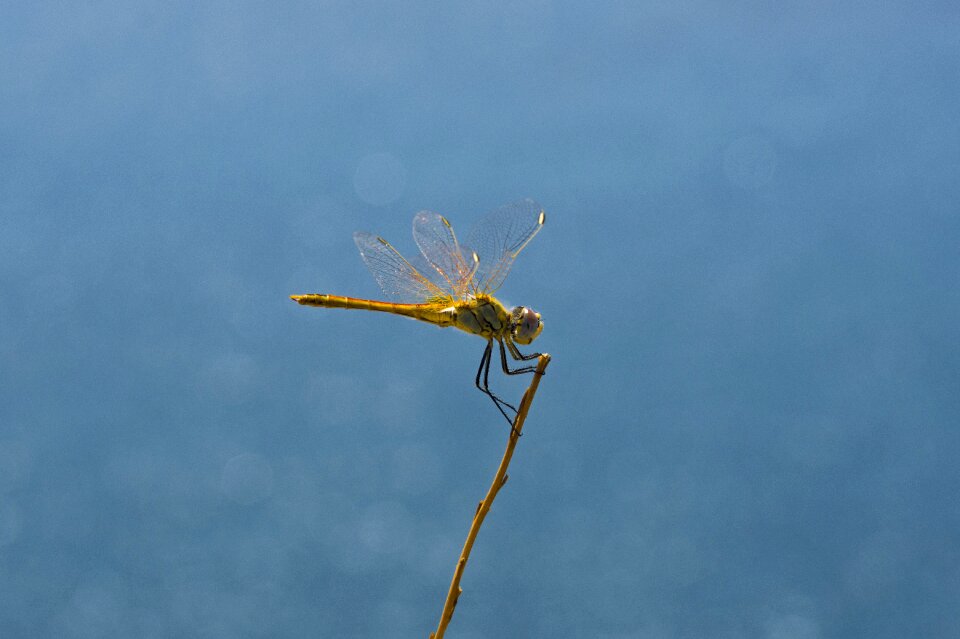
x=525, y=325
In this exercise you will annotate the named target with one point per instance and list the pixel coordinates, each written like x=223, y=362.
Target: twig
x=498, y=481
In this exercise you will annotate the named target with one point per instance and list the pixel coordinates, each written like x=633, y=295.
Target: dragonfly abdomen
x=423, y=312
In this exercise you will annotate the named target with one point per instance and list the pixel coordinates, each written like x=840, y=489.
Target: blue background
x=748, y=278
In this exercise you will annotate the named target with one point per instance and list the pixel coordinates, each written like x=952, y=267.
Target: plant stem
x=498, y=481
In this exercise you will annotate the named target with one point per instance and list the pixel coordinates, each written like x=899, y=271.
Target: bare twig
x=498, y=481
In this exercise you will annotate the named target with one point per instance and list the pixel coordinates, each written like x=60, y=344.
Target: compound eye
x=531, y=321
x=529, y=326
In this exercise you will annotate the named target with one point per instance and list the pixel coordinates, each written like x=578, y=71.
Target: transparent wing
x=425, y=268
x=397, y=278
x=453, y=264
x=499, y=237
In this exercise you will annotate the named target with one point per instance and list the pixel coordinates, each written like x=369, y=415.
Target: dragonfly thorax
x=481, y=315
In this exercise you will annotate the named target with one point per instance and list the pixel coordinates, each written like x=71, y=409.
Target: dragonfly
x=452, y=284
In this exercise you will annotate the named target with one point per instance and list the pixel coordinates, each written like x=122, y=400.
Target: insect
x=452, y=284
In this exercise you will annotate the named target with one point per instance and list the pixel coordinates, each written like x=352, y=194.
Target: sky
x=748, y=280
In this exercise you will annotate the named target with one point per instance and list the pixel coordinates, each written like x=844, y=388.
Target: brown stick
x=498, y=481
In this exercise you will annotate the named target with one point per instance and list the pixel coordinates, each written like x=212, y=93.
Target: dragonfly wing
x=397, y=278
x=454, y=264
x=499, y=237
x=425, y=268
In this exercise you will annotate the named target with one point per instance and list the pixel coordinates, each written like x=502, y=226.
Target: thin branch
x=498, y=481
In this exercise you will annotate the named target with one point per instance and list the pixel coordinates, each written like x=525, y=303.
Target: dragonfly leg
x=516, y=355
x=484, y=371
x=486, y=380
x=520, y=356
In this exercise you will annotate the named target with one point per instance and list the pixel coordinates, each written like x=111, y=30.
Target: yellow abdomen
x=484, y=315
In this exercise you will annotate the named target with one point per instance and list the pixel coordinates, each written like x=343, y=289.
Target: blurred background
x=748, y=278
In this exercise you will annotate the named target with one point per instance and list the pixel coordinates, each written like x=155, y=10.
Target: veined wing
x=499, y=237
x=454, y=264
x=397, y=278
